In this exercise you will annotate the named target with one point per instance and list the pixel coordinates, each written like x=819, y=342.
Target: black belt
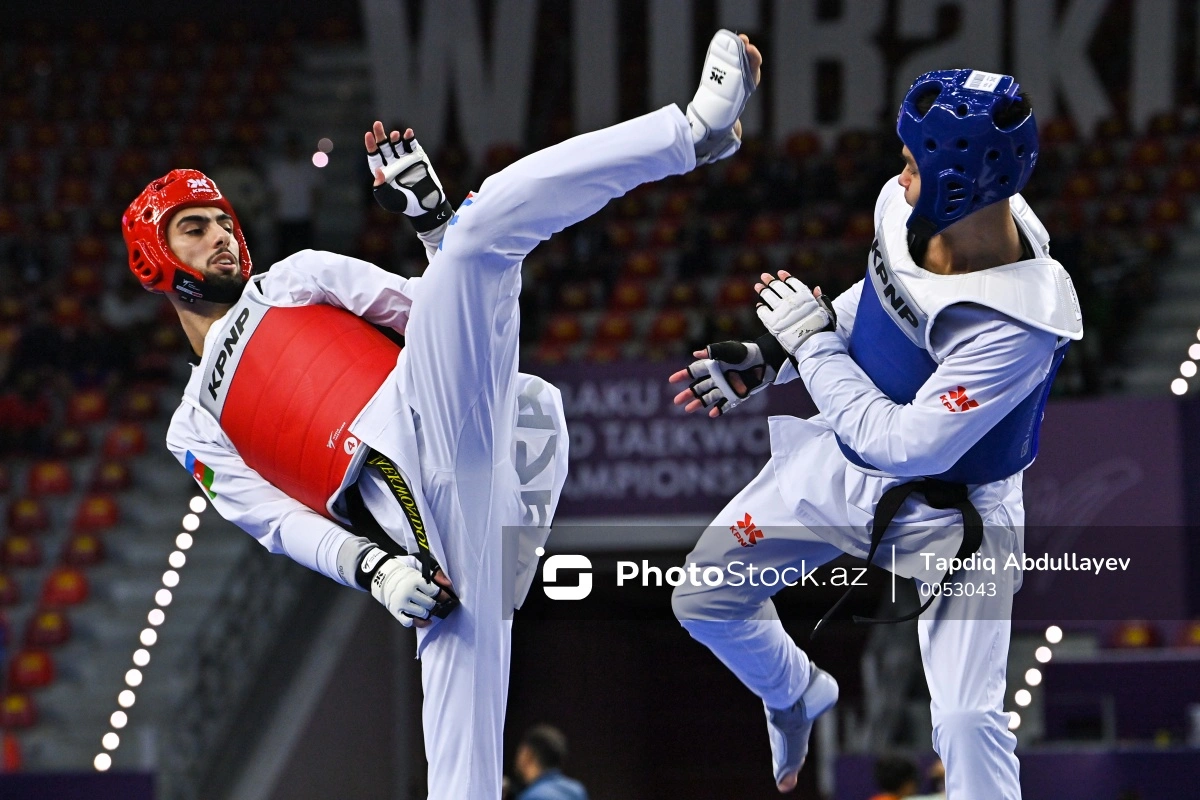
x=366, y=525
x=939, y=495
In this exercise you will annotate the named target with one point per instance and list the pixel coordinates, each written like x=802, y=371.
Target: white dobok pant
x=461, y=346
x=964, y=640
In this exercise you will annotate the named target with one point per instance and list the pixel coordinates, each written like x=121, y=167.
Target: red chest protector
x=285, y=384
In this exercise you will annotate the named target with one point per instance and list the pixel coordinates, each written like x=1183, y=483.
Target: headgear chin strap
x=144, y=226
x=965, y=159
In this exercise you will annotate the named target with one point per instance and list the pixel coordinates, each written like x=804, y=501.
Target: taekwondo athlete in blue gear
x=930, y=376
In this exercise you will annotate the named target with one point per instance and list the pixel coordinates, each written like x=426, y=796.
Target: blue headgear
x=965, y=159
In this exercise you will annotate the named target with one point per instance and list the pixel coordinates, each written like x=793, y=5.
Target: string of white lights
x=1187, y=369
x=1033, y=676
x=111, y=740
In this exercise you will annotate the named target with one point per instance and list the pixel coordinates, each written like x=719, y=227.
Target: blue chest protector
x=899, y=368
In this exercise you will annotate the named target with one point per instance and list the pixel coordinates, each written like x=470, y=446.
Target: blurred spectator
x=27, y=257
x=896, y=776
x=129, y=312
x=293, y=181
x=937, y=782
x=246, y=190
x=539, y=763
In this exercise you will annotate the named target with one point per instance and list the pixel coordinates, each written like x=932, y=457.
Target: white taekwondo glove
x=410, y=186
x=398, y=586
x=791, y=313
x=756, y=363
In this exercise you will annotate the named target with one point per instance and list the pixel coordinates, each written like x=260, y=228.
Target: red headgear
x=145, y=228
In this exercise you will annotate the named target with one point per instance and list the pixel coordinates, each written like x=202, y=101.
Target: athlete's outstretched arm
x=316, y=276
x=990, y=363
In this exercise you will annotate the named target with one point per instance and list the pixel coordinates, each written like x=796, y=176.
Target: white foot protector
x=789, y=728
x=725, y=87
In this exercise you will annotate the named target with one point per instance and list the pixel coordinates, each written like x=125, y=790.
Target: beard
x=224, y=288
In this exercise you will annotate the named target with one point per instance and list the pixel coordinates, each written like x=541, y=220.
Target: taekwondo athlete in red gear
x=930, y=376
x=302, y=422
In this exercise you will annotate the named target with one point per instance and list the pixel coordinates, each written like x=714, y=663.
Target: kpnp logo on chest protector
x=280, y=380
x=237, y=333
x=897, y=304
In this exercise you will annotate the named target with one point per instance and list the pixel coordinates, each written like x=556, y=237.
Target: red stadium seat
x=50, y=477
x=739, y=173
x=111, y=476
x=1059, y=130
x=89, y=249
x=27, y=515
x=1116, y=213
x=720, y=229
x=682, y=295
x=750, y=262
x=765, y=229
x=629, y=295
x=576, y=296
x=642, y=265
x=677, y=204
x=74, y=191
x=499, y=156
x=64, y=586
x=10, y=591
x=11, y=759
x=132, y=164
x=139, y=404
x=17, y=712
x=125, y=440
x=813, y=227
x=87, y=406
x=665, y=233
x=669, y=327
x=1150, y=152
x=860, y=227
x=68, y=312
x=802, y=145
x=69, y=442
x=603, y=353
x=1184, y=180
x=83, y=550
x=84, y=281
x=736, y=293
x=1167, y=212
x=614, y=327
x=622, y=235
x=20, y=550
x=45, y=136
x=49, y=627
x=30, y=669
x=96, y=512
x=563, y=329
x=550, y=354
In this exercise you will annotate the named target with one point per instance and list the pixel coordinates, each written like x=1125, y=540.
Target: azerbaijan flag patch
x=200, y=472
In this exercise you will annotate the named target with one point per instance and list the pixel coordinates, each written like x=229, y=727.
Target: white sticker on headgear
x=982, y=81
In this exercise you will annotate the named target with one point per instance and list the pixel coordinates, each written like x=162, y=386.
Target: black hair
x=924, y=100
x=1007, y=117
x=548, y=745
x=893, y=772
x=1014, y=113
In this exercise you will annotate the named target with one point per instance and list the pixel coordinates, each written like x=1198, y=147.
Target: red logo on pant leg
x=957, y=400
x=746, y=532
